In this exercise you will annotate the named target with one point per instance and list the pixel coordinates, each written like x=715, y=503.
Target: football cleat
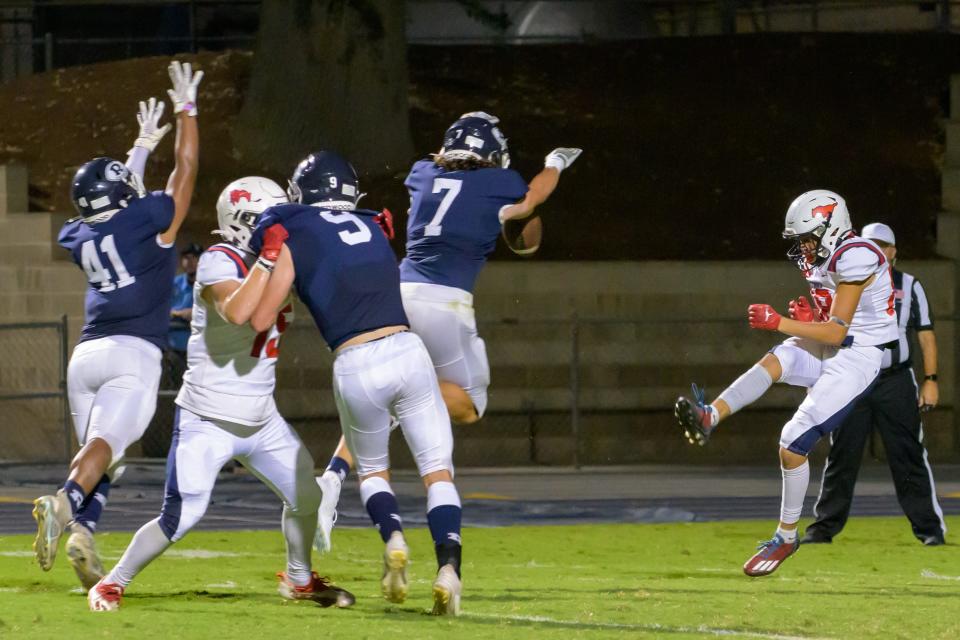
x=694, y=417
x=319, y=590
x=395, y=559
x=446, y=592
x=770, y=556
x=83, y=555
x=52, y=514
x=327, y=513
x=105, y=596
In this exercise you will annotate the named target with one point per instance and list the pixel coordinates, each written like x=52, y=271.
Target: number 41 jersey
x=129, y=271
x=454, y=221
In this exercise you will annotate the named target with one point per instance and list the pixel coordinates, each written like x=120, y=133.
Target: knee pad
x=181, y=513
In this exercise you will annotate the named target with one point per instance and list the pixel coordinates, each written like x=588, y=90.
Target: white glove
x=150, y=130
x=562, y=157
x=184, y=92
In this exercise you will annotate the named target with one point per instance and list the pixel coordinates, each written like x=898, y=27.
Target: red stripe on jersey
x=839, y=252
x=241, y=265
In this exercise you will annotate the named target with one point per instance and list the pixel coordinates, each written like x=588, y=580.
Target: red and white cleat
x=318, y=590
x=770, y=556
x=105, y=596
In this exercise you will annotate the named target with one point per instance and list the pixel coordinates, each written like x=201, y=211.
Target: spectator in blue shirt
x=181, y=311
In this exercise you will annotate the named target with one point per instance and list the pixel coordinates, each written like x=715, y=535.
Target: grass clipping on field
x=591, y=581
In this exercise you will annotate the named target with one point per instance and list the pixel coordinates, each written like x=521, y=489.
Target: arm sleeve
x=160, y=209
x=920, y=316
x=137, y=160
x=215, y=266
x=513, y=186
x=857, y=264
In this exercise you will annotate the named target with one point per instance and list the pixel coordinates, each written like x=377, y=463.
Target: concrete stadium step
x=52, y=277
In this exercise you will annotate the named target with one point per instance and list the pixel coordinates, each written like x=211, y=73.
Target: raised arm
x=543, y=184
x=187, y=149
x=149, y=135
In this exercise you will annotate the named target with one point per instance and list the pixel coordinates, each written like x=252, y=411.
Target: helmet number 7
x=452, y=188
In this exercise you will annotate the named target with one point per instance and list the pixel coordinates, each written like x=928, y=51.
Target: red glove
x=273, y=239
x=801, y=311
x=763, y=316
x=385, y=220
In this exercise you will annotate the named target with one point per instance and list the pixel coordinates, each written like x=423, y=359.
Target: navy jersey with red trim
x=130, y=274
x=454, y=221
x=346, y=272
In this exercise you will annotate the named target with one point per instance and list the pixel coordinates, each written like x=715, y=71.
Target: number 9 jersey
x=129, y=271
x=231, y=369
x=454, y=221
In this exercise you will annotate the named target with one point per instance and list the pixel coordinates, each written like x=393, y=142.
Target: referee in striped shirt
x=893, y=407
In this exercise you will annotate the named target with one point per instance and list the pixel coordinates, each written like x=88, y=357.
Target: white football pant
x=392, y=376
x=443, y=318
x=112, y=385
x=272, y=452
x=836, y=379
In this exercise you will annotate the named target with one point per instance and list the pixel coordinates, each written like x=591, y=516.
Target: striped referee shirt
x=913, y=312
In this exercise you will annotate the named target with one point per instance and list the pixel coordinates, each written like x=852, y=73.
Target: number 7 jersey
x=231, y=369
x=454, y=221
x=130, y=273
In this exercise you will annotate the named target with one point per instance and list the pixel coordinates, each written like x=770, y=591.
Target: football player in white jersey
x=835, y=351
x=226, y=409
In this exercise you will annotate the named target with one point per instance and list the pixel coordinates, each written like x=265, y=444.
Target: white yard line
x=702, y=629
x=927, y=573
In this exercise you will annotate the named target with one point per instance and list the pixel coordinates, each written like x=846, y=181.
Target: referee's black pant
x=891, y=407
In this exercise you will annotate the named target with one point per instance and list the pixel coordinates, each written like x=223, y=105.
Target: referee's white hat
x=879, y=231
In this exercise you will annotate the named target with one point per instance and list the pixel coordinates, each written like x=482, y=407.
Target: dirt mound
x=694, y=147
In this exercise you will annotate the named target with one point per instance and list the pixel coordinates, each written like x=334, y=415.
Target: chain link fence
x=34, y=412
x=568, y=392
x=581, y=392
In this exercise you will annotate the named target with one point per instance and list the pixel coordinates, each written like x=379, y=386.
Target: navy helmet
x=476, y=136
x=102, y=187
x=326, y=177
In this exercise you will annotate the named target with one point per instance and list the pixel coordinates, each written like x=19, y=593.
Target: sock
x=443, y=516
x=92, y=508
x=795, y=483
x=713, y=415
x=298, y=530
x=747, y=388
x=75, y=496
x=340, y=467
x=382, y=506
x=148, y=543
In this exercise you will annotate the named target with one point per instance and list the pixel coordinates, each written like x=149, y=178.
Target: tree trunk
x=328, y=74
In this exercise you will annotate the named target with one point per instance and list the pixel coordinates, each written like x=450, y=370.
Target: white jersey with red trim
x=855, y=260
x=230, y=368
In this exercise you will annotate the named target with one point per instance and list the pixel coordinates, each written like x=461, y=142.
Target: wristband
x=932, y=376
x=266, y=265
x=555, y=163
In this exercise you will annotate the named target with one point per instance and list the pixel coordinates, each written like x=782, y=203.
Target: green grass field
x=590, y=581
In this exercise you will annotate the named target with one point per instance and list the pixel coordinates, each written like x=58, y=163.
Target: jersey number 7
x=452, y=188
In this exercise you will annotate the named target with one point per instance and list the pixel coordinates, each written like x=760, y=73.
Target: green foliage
x=594, y=581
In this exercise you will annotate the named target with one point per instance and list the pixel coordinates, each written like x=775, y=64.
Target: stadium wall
x=637, y=332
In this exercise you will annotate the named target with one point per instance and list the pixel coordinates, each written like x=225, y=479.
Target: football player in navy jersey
x=461, y=200
x=124, y=240
x=346, y=274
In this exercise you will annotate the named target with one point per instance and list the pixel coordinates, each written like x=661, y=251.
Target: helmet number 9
x=97, y=274
x=361, y=235
x=333, y=182
x=452, y=188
